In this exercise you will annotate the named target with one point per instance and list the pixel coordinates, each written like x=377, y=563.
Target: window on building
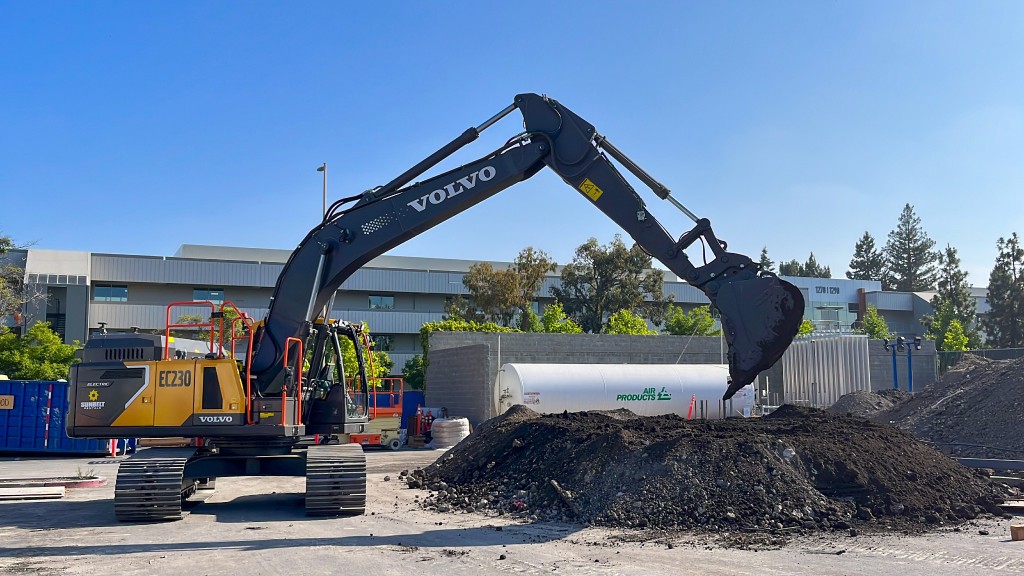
x=853, y=308
x=378, y=302
x=383, y=342
x=109, y=293
x=215, y=295
x=830, y=314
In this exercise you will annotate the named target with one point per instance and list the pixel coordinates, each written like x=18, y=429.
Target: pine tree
x=909, y=259
x=813, y=270
x=868, y=263
x=791, y=268
x=953, y=302
x=766, y=263
x=809, y=269
x=1004, y=324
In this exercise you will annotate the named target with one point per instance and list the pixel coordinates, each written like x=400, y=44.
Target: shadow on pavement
x=439, y=538
x=54, y=514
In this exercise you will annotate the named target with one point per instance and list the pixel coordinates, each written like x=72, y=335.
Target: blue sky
x=137, y=127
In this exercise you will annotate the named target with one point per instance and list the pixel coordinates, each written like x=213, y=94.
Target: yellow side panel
x=231, y=389
x=175, y=384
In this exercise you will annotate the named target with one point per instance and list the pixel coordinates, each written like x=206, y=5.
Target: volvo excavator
x=249, y=410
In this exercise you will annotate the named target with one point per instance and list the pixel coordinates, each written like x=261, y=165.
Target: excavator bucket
x=760, y=318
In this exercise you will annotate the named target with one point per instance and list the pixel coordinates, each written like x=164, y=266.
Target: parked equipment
x=251, y=416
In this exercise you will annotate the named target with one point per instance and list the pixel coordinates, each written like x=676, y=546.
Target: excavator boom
x=760, y=312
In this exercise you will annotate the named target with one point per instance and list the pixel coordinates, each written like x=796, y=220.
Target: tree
x=766, y=263
x=909, y=259
x=813, y=270
x=791, y=268
x=531, y=267
x=874, y=324
x=953, y=302
x=14, y=292
x=626, y=322
x=696, y=322
x=605, y=279
x=868, y=263
x=378, y=363
x=459, y=308
x=554, y=321
x=493, y=292
x=809, y=269
x=502, y=295
x=806, y=327
x=37, y=355
x=529, y=322
x=954, y=340
x=1004, y=323
x=414, y=372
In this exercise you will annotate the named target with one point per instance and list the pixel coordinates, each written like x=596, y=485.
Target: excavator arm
x=760, y=313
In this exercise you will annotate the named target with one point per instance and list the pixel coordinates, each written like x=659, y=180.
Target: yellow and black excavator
x=250, y=414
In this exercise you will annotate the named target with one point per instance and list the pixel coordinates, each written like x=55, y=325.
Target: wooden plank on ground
x=32, y=493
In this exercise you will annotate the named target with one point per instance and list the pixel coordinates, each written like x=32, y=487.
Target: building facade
x=82, y=292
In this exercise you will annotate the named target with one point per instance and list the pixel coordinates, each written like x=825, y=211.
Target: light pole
x=910, y=362
x=323, y=168
x=899, y=345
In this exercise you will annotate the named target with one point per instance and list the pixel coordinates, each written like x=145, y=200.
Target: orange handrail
x=298, y=390
x=168, y=325
x=248, y=383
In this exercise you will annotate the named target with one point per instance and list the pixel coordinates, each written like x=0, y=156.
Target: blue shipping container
x=411, y=400
x=32, y=419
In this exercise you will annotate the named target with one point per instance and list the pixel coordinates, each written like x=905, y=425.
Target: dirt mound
x=797, y=469
x=869, y=404
x=974, y=410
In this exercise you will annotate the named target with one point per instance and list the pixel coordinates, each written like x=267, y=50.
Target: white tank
x=644, y=389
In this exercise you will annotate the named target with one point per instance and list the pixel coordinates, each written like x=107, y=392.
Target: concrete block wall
x=460, y=389
x=925, y=366
x=451, y=374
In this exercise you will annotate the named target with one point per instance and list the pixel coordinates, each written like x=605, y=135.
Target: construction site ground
x=255, y=526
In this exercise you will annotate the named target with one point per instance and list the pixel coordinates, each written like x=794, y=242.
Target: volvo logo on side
x=228, y=419
x=454, y=189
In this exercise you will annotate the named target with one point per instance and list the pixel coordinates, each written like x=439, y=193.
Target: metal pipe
x=682, y=208
x=445, y=151
x=490, y=122
x=660, y=189
x=910, y=369
x=316, y=285
x=895, y=377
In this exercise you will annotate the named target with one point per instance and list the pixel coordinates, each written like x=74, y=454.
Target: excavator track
x=335, y=480
x=150, y=485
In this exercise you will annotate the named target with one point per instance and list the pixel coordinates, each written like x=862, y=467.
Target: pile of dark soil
x=975, y=410
x=869, y=404
x=798, y=469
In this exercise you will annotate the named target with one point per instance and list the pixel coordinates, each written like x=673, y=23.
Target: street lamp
x=323, y=168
